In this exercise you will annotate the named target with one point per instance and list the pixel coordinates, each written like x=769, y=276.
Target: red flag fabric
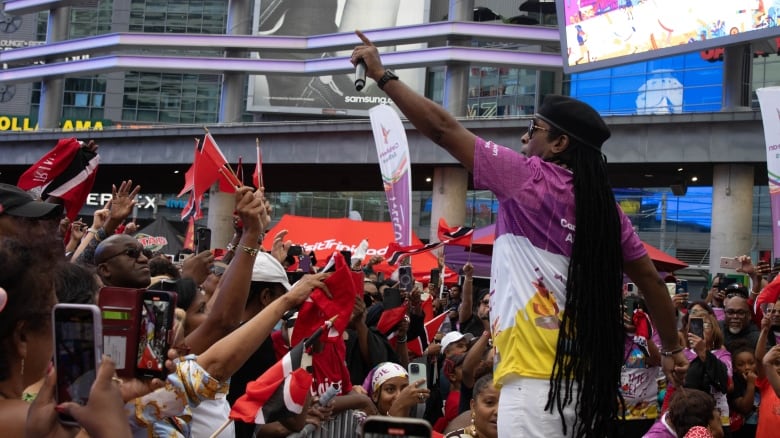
x=396, y=252
x=278, y=393
x=460, y=236
x=390, y=317
x=206, y=171
x=318, y=307
x=189, y=236
x=189, y=178
x=67, y=172
x=257, y=176
x=431, y=328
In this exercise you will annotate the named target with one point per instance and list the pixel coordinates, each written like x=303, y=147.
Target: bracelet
x=230, y=247
x=94, y=232
x=401, y=340
x=671, y=353
x=251, y=251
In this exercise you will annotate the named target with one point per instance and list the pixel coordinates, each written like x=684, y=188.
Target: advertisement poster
x=599, y=31
x=329, y=94
x=769, y=99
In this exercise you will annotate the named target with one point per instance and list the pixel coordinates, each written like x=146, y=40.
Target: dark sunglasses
x=133, y=253
x=533, y=127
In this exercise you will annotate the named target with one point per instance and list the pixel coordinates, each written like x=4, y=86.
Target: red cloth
x=450, y=411
x=698, y=432
x=642, y=323
x=278, y=393
x=318, y=307
x=460, y=236
x=390, y=318
x=768, y=409
x=66, y=172
x=328, y=366
x=768, y=295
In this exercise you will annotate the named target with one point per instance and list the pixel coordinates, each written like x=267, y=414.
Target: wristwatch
x=387, y=77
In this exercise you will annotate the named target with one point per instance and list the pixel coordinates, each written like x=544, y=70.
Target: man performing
x=556, y=300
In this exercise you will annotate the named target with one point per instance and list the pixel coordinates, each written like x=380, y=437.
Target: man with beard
x=738, y=324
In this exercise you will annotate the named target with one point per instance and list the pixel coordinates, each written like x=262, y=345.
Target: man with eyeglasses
x=738, y=324
x=474, y=317
x=556, y=299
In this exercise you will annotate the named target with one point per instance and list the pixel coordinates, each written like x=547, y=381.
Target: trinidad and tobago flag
x=447, y=236
x=281, y=391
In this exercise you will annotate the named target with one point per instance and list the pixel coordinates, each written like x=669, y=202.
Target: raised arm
x=427, y=116
x=230, y=298
x=466, y=308
x=228, y=354
x=644, y=275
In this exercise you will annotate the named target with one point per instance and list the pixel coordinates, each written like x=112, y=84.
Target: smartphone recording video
x=203, y=239
x=696, y=326
x=389, y=427
x=405, y=278
x=156, y=332
x=78, y=348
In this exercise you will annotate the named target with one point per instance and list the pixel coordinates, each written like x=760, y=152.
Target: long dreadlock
x=590, y=341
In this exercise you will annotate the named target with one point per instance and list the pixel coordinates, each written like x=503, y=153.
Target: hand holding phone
x=696, y=326
x=156, y=333
x=78, y=348
x=384, y=427
x=730, y=263
x=417, y=371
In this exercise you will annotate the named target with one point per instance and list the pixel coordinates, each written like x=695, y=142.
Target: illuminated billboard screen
x=329, y=94
x=602, y=33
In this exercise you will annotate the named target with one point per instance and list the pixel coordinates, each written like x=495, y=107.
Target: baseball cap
x=451, y=338
x=16, y=202
x=268, y=270
x=576, y=118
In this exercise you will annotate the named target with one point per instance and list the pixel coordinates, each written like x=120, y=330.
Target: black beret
x=575, y=118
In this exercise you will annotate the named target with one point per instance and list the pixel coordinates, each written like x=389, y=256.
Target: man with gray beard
x=738, y=324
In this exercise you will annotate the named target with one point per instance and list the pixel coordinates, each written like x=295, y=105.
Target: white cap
x=267, y=269
x=450, y=338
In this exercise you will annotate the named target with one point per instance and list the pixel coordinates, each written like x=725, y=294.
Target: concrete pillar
x=732, y=213
x=220, y=216
x=50, y=110
x=221, y=205
x=449, y=198
x=239, y=22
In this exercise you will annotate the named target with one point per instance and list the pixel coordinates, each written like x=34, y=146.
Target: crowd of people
x=552, y=346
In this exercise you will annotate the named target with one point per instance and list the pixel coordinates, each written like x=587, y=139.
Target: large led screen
x=602, y=33
x=329, y=94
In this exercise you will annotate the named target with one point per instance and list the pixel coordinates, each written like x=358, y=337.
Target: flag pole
x=221, y=428
x=258, y=164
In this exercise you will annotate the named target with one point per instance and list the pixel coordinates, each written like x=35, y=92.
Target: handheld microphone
x=360, y=75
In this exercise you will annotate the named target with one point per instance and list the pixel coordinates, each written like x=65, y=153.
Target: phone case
x=417, y=371
x=729, y=263
x=155, y=332
x=384, y=426
x=696, y=326
x=121, y=316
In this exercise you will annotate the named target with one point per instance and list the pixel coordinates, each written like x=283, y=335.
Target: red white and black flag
x=447, y=236
x=281, y=391
x=278, y=394
x=66, y=172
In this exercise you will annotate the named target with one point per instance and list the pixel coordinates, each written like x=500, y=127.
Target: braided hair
x=590, y=346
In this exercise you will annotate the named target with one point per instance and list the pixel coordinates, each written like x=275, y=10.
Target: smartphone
x=295, y=251
x=120, y=309
x=671, y=288
x=377, y=426
x=203, y=239
x=725, y=282
x=696, y=326
x=348, y=257
x=405, y=278
x=629, y=305
x=78, y=349
x=417, y=371
x=155, y=333
x=392, y=298
x=682, y=286
x=631, y=288
x=729, y=263
x=304, y=263
x=435, y=272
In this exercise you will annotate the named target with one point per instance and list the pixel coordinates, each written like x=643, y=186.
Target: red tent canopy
x=324, y=236
x=663, y=261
